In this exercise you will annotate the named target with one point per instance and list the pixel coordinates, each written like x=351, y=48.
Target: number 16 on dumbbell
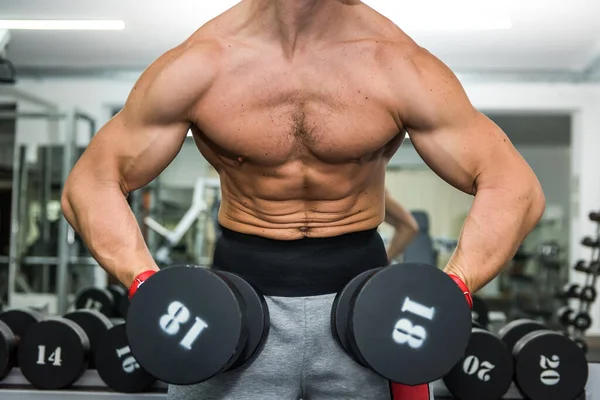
x=186, y=325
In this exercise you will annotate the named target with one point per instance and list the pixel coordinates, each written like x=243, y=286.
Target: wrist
x=463, y=286
x=139, y=280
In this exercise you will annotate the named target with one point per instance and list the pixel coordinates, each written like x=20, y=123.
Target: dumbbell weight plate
x=486, y=370
x=582, y=321
x=19, y=320
x=549, y=366
x=256, y=317
x=8, y=343
x=340, y=311
x=185, y=325
x=116, y=365
x=512, y=332
x=53, y=353
x=410, y=323
x=96, y=299
x=564, y=315
x=95, y=324
x=588, y=294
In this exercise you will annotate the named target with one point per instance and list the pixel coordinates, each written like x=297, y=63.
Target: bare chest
x=272, y=114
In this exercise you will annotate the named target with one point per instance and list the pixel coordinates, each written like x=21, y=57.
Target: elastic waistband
x=297, y=268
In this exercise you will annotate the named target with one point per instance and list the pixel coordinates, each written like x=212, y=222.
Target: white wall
x=98, y=96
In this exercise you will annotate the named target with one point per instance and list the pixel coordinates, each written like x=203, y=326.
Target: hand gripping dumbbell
x=188, y=324
x=486, y=370
x=410, y=323
x=547, y=365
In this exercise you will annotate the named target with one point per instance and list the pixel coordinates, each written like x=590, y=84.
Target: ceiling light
x=77, y=25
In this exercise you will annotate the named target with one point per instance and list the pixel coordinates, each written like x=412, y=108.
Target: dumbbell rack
x=90, y=385
x=591, y=271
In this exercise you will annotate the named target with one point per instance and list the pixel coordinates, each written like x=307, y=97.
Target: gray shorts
x=300, y=360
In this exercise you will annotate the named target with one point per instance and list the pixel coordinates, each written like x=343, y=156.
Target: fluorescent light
x=76, y=25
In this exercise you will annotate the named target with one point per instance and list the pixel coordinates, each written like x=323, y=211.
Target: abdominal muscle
x=296, y=201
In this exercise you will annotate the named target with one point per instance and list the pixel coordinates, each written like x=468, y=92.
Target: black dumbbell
x=186, y=325
x=592, y=268
x=14, y=325
x=570, y=291
x=116, y=365
x=594, y=216
x=480, y=312
x=97, y=299
x=486, y=370
x=547, y=365
x=582, y=321
x=591, y=242
x=564, y=316
x=588, y=294
x=410, y=323
x=95, y=324
x=54, y=353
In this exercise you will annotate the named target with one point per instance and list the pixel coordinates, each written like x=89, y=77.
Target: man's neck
x=295, y=21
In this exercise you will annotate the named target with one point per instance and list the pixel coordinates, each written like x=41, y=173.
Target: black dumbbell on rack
x=112, y=301
x=486, y=370
x=56, y=352
x=14, y=325
x=547, y=365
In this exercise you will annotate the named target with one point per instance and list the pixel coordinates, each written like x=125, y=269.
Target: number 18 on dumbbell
x=186, y=325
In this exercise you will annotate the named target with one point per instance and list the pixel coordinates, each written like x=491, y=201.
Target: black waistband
x=305, y=267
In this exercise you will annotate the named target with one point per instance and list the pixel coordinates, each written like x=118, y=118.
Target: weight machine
x=59, y=124
x=196, y=216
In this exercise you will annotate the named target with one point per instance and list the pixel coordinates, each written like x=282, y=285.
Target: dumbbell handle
x=137, y=282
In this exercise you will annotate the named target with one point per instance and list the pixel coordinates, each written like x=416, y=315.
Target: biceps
x=131, y=155
x=466, y=150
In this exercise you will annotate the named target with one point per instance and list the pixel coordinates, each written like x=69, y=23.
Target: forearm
x=399, y=242
x=501, y=217
x=99, y=213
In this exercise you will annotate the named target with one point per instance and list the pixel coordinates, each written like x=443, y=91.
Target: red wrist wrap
x=137, y=282
x=464, y=288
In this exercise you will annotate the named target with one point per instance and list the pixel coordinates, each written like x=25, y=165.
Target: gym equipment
x=96, y=299
x=121, y=301
x=486, y=370
x=547, y=365
x=565, y=315
x=570, y=291
x=590, y=242
x=594, y=216
x=53, y=354
x=8, y=344
x=480, y=312
x=588, y=294
x=19, y=321
x=116, y=365
x=582, y=321
x=515, y=330
x=340, y=310
x=95, y=324
x=410, y=323
x=186, y=325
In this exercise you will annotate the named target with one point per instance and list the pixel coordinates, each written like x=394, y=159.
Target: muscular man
x=299, y=105
x=405, y=226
